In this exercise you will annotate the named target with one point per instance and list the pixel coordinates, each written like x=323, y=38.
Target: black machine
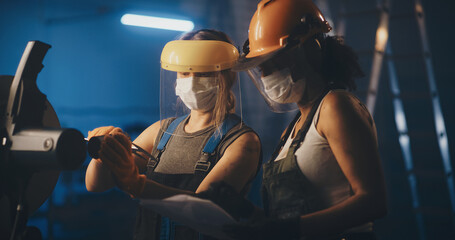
x=34, y=148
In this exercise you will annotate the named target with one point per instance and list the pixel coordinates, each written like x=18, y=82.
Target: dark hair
x=206, y=34
x=340, y=66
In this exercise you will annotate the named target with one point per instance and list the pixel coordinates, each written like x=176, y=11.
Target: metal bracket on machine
x=34, y=148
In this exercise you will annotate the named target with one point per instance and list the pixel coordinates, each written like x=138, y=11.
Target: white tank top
x=317, y=162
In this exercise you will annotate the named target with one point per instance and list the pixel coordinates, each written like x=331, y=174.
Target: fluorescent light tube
x=157, y=22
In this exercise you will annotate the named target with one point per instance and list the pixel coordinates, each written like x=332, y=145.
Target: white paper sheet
x=200, y=214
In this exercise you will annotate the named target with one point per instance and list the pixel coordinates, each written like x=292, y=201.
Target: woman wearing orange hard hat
x=325, y=179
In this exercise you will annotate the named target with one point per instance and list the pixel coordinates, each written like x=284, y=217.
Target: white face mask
x=280, y=88
x=197, y=93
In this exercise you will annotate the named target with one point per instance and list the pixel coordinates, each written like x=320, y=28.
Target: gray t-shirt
x=184, y=149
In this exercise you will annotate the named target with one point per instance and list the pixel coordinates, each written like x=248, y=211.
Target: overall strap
x=229, y=122
x=153, y=162
x=168, y=226
x=169, y=131
x=203, y=165
x=281, y=173
x=285, y=136
x=300, y=136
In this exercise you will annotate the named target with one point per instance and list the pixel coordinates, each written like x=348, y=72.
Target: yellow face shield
x=198, y=56
x=195, y=75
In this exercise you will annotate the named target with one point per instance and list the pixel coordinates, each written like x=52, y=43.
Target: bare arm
x=98, y=177
x=351, y=134
x=238, y=164
x=236, y=167
x=146, y=140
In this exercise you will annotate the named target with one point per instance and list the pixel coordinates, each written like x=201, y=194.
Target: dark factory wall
x=100, y=72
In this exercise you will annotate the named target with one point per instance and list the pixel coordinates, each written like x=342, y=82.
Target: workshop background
x=100, y=72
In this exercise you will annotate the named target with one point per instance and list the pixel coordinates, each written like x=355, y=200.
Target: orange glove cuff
x=116, y=153
x=135, y=189
x=132, y=183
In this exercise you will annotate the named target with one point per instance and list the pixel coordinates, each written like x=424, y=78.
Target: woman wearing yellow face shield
x=199, y=139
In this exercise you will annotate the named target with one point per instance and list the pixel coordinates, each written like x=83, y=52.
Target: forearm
x=354, y=211
x=258, y=213
x=98, y=177
x=155, y=190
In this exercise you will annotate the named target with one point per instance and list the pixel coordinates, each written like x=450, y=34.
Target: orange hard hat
x=277, y=22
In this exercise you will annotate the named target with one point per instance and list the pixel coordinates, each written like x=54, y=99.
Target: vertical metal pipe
x=437, y=112
x=382, y=35
x=404, y=140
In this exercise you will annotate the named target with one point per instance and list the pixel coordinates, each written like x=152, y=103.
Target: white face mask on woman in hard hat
x=197, y=93
x=280, y=87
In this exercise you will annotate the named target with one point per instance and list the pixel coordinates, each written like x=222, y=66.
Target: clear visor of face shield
x=274, y=90
x=183, y=93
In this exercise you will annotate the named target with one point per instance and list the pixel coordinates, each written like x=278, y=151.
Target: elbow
x=381, y=204
x=91, y=187
x=97, y=177
x=372, y=205
x=91, y=184
x=95, y=188
x=382, y=210
x=377, y=207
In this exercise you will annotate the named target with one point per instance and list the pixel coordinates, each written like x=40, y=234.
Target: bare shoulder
x=248, y=141
x=147, y=138
x=343, y=104
x=341, y=110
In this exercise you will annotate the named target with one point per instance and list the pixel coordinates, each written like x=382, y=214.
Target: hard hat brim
x=244, y=63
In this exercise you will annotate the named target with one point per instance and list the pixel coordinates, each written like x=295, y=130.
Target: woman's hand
x=98, y=177
x=225, y=196
x=116, y=153
x=264, y=229
x=101, y=131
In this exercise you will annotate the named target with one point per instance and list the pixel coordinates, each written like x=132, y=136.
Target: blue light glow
x=157, y=22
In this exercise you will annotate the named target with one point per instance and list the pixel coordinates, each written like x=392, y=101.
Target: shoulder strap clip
x=155, y=159
x=204, y=164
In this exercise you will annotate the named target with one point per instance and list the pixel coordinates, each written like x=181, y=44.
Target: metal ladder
x=383, y=52
x=405, y=136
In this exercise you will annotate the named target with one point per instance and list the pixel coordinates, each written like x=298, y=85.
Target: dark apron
x=150, y=225
x=285, y=188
